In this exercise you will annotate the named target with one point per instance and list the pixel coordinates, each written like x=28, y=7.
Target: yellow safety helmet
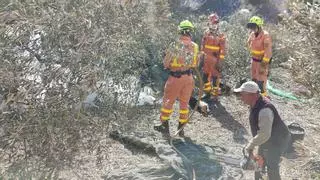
x=185, y=26
x=255, y=21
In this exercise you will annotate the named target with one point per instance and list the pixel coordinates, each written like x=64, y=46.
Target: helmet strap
x=258, y=32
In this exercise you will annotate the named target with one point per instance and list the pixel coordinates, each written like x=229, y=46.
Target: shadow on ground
x=183, y=158
x=219, y=112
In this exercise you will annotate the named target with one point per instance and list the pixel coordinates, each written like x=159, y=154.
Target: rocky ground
x=227, y=128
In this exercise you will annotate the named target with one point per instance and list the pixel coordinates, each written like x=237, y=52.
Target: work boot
x=215, y=93
x=164, y=129
x=181, y=133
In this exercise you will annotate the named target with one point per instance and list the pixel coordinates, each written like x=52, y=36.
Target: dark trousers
x=271, y=157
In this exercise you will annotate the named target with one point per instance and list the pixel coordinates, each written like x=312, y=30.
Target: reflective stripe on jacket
x=213, y=45
x=260, y=46
x=182, y=55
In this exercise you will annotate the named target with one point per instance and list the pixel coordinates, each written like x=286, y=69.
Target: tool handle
x=244, y=152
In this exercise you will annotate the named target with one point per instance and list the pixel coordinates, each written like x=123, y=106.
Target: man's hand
x=249, y=151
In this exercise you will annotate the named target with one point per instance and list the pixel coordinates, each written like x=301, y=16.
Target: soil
x=227, y=127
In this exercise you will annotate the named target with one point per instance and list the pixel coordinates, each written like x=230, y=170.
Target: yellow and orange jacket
x=261, y=46
x=214, y=45
x=182, y=55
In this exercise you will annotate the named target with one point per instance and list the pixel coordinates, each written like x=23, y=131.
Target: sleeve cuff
x=265, y=59
x=250, y=146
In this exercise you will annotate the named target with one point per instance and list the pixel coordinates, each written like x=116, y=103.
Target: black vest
x=279, y=133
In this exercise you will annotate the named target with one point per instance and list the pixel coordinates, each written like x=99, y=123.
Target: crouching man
x=270, y=134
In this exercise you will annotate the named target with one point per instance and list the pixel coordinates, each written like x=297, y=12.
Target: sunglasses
x=252, y=26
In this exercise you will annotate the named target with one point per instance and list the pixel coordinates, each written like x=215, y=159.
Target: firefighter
x=180, y=58
x=213, y=49
x=260, y=46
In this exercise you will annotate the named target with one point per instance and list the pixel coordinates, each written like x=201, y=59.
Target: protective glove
x=221, y=57
x=219, y=66
x=266, y=60
x=263, y=67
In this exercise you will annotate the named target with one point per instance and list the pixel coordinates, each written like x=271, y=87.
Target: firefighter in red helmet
x=213, y=49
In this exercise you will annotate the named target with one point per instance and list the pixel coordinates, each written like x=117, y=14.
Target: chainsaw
x=255, y=163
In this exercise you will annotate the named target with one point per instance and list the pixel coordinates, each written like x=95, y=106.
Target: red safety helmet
x=213, y=18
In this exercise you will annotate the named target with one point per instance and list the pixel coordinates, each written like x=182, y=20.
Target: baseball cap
x=250, y=87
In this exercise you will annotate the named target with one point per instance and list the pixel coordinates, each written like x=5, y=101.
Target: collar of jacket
x=212, y=33
x=260, y=34
x=258, y=102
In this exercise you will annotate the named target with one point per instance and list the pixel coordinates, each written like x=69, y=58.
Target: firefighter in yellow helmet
x=260, y=46
x=180, y=58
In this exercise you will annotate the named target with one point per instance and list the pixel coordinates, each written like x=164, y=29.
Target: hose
x=282, y=93
x=196, y=70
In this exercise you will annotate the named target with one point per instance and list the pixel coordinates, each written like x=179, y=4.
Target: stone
x=287, y=64
x=302, y=90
